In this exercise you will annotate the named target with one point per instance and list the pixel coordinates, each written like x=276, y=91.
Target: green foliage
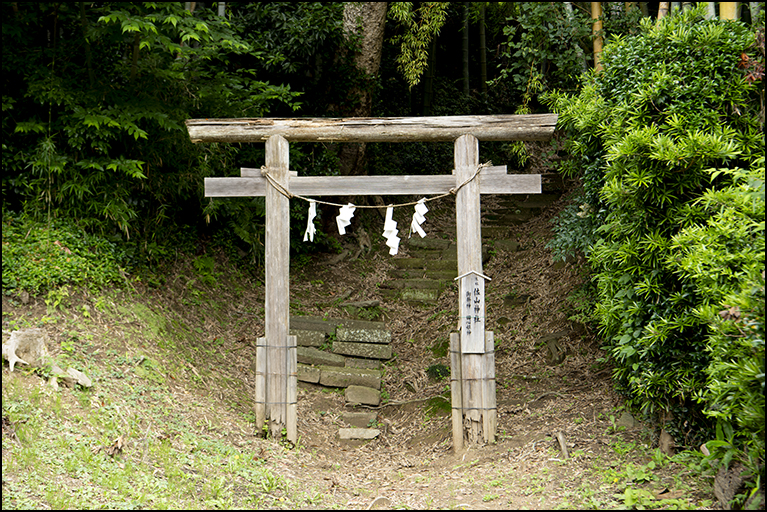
x=94, y=129
x=671, y=241
x=545, y=44
x=421, y=25
x=41, y=258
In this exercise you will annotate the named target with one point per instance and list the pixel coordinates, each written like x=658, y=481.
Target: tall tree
x=465, y=59
x=482, y=50
x=596, y=15
x=364, y=22
x=663, y=9
x=728, y=10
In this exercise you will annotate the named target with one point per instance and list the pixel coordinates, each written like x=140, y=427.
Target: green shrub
x=38, y=257
x=670, y=241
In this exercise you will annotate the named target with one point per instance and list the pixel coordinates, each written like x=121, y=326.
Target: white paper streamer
x=345, y=217
x=390, y=232
x=418, y=218
x=310, y=230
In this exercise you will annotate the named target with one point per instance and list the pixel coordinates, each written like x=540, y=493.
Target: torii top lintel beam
x=380, y=129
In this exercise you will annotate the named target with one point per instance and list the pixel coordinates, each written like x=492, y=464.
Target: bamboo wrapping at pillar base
x=292, y=392
x=490, y=413
x=263, y=369
x=456, y=394
x=474, y=410
x=260, y=391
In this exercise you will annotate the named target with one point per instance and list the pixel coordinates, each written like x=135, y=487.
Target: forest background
x=664, y=130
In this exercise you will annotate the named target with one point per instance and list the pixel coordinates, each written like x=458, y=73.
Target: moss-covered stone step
x=336, y=377
x=412, y=294
x=365, y=350
x=399, y=284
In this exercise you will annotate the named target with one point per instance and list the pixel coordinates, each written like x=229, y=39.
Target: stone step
x=409, y=263
x=411, y=294
x=507, y=219
x=528, y=200
x=357, y=333
x=426, y=284
x=336, y=377
x=507, y=245
x=308, y=338
x=362, y=395
x=500, y=217
x=358, y=433
x=311, y=355
x=495, y=232
x=440, y=275
x=364, y=350
x=359, y=419
x=313, y=323
x=428, y=243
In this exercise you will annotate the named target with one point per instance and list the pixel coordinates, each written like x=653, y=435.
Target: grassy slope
x=172, y=380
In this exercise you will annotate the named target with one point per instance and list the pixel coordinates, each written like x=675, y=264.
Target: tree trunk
x=710, y=10
x=728, y=10
x=88, y=55
x=365, y=20
x=482, y=51
x=754, y=7
x=466, y=48
x=662, y=9
x=596, y=13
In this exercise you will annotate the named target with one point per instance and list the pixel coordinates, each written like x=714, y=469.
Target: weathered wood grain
x=381, y=129
x=316, y=186
x=277, y=263
x=456, y=392
x=469, y=251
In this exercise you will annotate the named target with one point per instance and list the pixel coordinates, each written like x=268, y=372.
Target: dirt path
x=186, y=415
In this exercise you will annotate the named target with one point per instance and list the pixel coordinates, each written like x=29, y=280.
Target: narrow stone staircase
x=431, y=265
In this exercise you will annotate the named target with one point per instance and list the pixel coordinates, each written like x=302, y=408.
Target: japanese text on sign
x=473, y=314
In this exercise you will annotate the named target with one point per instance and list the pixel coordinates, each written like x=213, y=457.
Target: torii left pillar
x=276, y=372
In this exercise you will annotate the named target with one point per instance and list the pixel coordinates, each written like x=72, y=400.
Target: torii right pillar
x=472, y=358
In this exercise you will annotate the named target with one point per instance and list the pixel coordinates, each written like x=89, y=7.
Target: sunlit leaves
x=671, y=234
x=421, y=26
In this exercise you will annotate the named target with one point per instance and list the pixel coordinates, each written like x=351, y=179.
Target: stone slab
x=443, y=275
x=358, y=433
x=308, y=373
x=313, y=323
x=308, y=338
x=378, y=336
x=362, y=395
x=413, y=283
x=419, y=295
x=338, y=377
x=441, y=264
x=361, y=324
x=507, y=245
x=358, y=362
x=359, y=419
x=365, y=350
x=429, y=243
x=311, y=355
x=408, y=262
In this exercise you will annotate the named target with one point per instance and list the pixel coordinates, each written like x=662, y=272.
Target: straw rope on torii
x=287, y=193
x=347, y=211
x=472, y=347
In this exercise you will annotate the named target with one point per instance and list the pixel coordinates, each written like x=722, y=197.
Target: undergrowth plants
x=668, y=144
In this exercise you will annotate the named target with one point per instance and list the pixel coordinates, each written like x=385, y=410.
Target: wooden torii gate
x=472, y=352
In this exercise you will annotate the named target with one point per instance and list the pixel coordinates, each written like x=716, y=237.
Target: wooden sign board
x=472, y=291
